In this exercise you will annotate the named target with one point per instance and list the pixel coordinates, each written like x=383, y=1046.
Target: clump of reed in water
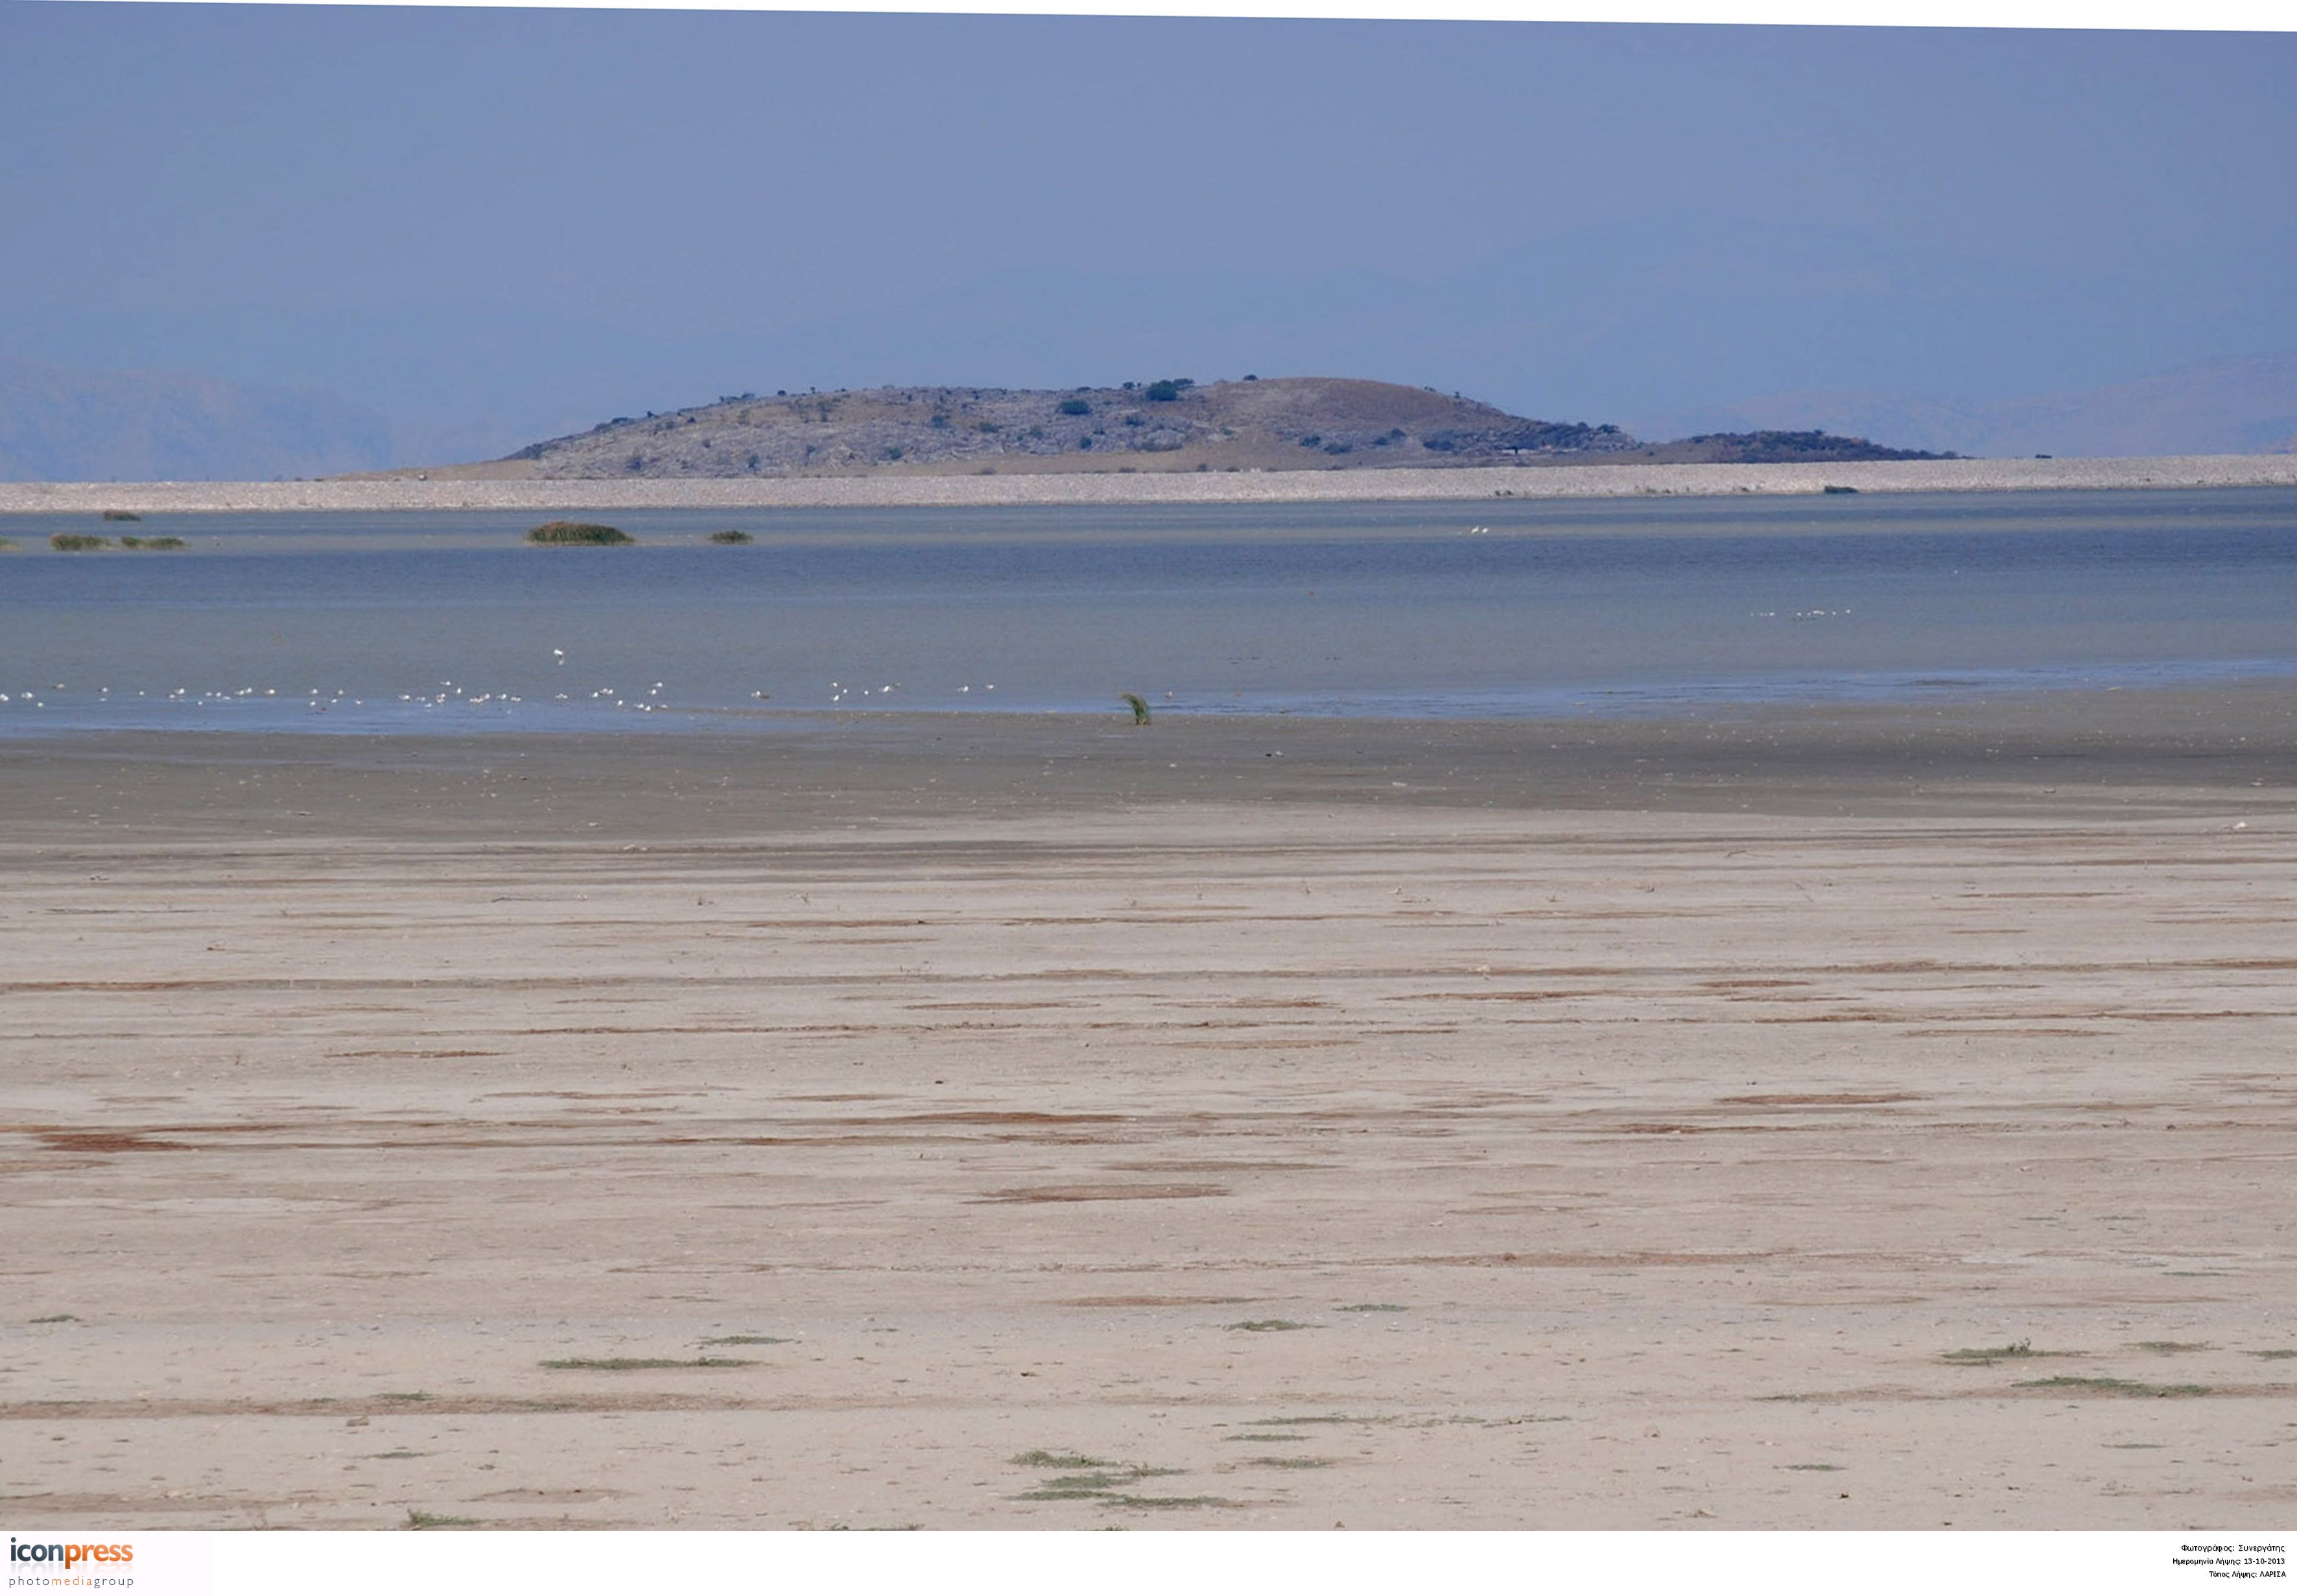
x=578, y=532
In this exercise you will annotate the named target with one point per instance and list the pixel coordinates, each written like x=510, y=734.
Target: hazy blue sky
x=512, y=222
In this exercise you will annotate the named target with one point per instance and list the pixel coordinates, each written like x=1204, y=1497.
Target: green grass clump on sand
x=731, y=535
x=1099, y=1481
x=1096, y=1479
x=72, y=543
x=620, y=1365
x=416, y=1518
x=121, y=515
x=1267, y=1324
x=162, y=543
x=578, y=532
x=1297, y=1420
x=2105, y=1386
x=1986, y=1357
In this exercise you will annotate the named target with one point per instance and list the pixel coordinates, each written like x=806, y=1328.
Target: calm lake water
x=445, y=621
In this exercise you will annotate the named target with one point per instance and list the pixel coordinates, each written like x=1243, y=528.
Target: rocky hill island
x=1167, y=424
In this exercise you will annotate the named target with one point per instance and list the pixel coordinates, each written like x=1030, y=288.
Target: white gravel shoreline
x=1112, y=488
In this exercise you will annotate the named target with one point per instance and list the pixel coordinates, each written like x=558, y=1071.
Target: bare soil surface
x=1875, y=1120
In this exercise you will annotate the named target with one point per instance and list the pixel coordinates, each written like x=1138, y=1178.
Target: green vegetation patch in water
x=565, y=532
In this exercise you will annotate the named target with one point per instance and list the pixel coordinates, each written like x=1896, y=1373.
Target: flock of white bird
x=449, y=693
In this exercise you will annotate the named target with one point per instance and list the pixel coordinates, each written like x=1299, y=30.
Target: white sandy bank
x=1112, y=488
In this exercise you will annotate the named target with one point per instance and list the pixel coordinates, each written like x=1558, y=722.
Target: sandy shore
x=1593, y=1125
x=1123, y=487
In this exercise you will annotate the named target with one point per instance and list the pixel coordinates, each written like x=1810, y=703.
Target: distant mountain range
x=1167, y=424
x=61, y=426
x=2245, y=407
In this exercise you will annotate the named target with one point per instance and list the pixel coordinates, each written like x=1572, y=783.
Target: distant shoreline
x=1146, y=487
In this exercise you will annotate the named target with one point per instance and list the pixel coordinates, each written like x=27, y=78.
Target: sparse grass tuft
x=153, y=543
x=1289, y=1463
x=1103, y=1479
x=578, y=532
x=1139, y=705
x=1371, y=1308
x=398, y=1453
x=57, y=1318
x=121, y=515
x=2172, y=1347
x=731, y=535
x=1813, y=1468
x=745, y=1341
x=622, y=1365
x=1267, y=1324
x=1171, y=1502
x=2269, y=1353
x=1986, y=1357
x=1098, y=1480
x=416, y=1518
x=73, y=543
x=1298, y=1420
x=7, y=543
x=2104, y=1386
x=1263, y=1436
x=404, y=1396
